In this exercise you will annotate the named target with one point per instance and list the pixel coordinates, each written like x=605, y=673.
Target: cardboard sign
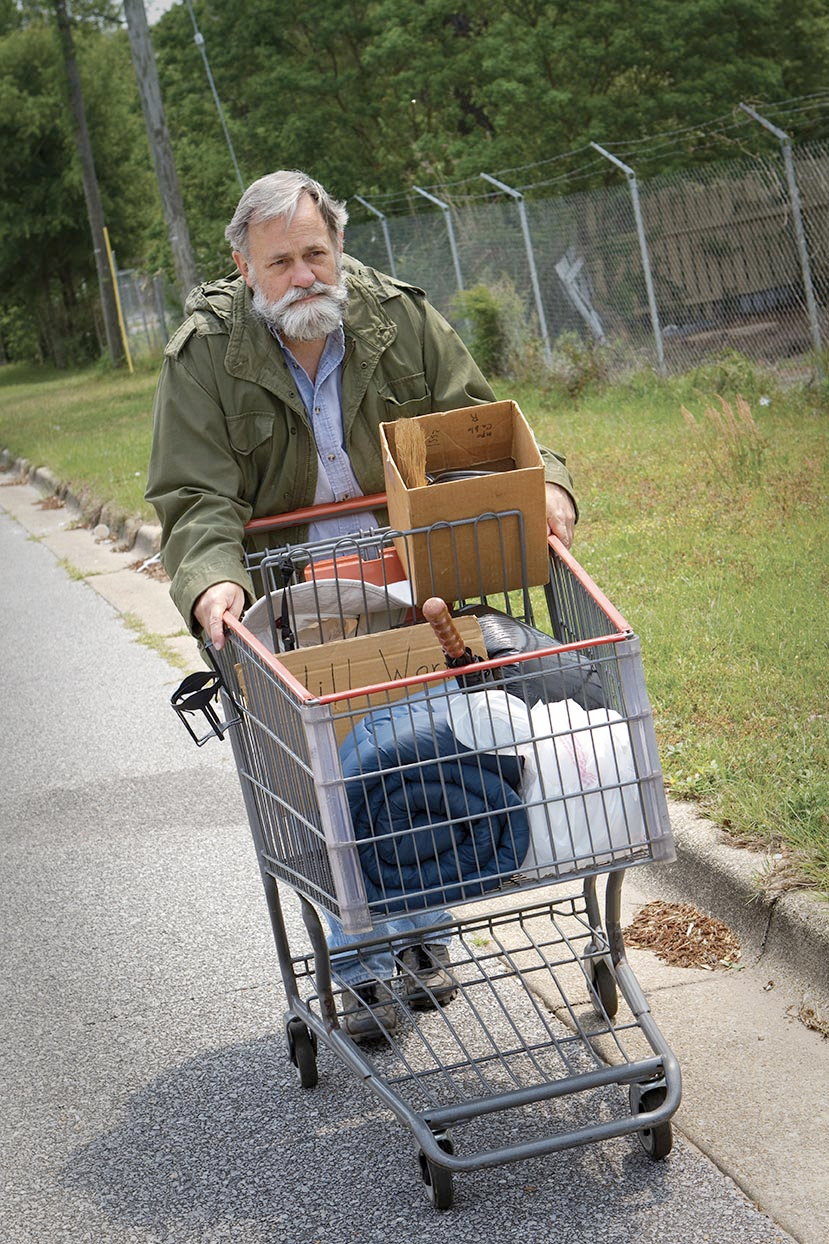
x=378, y=660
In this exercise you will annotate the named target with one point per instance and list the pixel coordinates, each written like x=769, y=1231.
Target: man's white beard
x=299, y=317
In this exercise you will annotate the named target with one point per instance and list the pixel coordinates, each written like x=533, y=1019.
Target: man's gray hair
x=277, y=196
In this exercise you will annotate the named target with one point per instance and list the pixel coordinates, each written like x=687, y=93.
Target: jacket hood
x=215, y=296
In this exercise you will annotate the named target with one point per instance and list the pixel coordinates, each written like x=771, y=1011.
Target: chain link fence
x=150, y=308
x=717, y=264
x=707, y=260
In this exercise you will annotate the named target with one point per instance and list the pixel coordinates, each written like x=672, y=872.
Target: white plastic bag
x=580, y=789
x=488, y=719
x=579, y=775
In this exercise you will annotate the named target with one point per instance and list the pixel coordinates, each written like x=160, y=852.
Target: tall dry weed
x=730, y=439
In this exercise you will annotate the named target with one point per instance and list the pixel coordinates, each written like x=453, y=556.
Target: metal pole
x=799, y=232
x=121, y=324
x=447, y=215
x=643, y=247
x=199, y=41
x=385, y=229
x=525, y=228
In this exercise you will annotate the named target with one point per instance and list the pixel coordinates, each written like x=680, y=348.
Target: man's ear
x=243, y=266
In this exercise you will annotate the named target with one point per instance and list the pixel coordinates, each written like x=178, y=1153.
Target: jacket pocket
x=247, y=432
x=406, y=396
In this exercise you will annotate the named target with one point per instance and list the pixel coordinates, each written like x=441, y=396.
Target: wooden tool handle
x=436, y=613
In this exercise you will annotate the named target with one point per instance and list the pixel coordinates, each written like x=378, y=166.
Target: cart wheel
x=438, y=1179
x=603, y=981
x=302, y=1051
x=656, y=1141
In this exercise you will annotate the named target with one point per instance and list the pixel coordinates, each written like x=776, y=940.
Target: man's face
x=294, y=271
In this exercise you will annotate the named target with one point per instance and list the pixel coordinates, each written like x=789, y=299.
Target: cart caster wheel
x=302, y=1051
x=603, y=981
x=656, y=1141
x=438, y=1179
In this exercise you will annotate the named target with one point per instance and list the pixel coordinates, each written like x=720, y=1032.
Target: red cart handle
x=315, y=513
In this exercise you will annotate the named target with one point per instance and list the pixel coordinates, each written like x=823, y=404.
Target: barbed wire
x=734, y=128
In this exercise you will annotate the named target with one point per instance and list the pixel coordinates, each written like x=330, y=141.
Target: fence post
x=525, y=229
x=799, y=232
x=643, y=247
x=158, y=294
x=447, y=215
x=385, y=228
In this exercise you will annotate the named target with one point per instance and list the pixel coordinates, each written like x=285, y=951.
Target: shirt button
x=332, y=457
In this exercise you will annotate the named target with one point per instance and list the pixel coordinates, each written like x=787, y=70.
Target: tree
x=49, y=309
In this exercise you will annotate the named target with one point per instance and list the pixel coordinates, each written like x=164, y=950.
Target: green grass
x=92, y=429
x=715, y=550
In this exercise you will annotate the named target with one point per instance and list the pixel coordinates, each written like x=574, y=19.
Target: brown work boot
x=427, y=981
x=368, y=1012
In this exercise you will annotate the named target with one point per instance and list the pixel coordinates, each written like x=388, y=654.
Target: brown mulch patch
x=683, y=936
x=50, y=502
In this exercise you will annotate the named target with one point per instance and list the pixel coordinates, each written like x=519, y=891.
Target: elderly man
x=270, y=399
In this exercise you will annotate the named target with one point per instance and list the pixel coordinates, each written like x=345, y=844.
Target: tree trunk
x=165, y=169
x=91, y=190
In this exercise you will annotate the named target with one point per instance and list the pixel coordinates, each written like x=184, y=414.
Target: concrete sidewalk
x=754, y=1059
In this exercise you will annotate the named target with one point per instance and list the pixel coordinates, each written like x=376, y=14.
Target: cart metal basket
x=380, y=784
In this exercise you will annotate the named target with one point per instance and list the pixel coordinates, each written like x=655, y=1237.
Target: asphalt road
x=145, y=1091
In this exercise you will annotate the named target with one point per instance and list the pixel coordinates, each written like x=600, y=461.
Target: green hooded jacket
x=232, y=439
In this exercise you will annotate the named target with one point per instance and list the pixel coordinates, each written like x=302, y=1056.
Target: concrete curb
x=129, y=534
x=788, y=931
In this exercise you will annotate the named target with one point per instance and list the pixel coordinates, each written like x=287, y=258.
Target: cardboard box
x=486, y=557
x=372, y=660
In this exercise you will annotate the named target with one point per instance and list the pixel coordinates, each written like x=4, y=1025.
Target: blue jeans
x=352, y=968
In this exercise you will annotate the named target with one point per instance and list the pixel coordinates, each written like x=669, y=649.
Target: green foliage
x=578, y=363
x=48, y=307
x=488, y=341
x=501, y=337
x=369, y=96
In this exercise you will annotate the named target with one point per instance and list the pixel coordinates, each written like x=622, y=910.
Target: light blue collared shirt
x=323, y=401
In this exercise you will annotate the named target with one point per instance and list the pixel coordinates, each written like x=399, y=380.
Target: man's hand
x=212, y=605
x=561, y=514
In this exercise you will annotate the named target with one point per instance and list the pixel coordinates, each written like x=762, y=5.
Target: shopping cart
x=508, y=789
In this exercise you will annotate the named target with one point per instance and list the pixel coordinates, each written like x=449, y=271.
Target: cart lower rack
x=417, y=805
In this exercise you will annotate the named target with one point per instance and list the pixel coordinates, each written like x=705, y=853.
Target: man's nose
x=302, y=275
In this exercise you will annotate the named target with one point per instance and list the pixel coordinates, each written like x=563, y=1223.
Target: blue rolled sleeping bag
x=435, y=825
